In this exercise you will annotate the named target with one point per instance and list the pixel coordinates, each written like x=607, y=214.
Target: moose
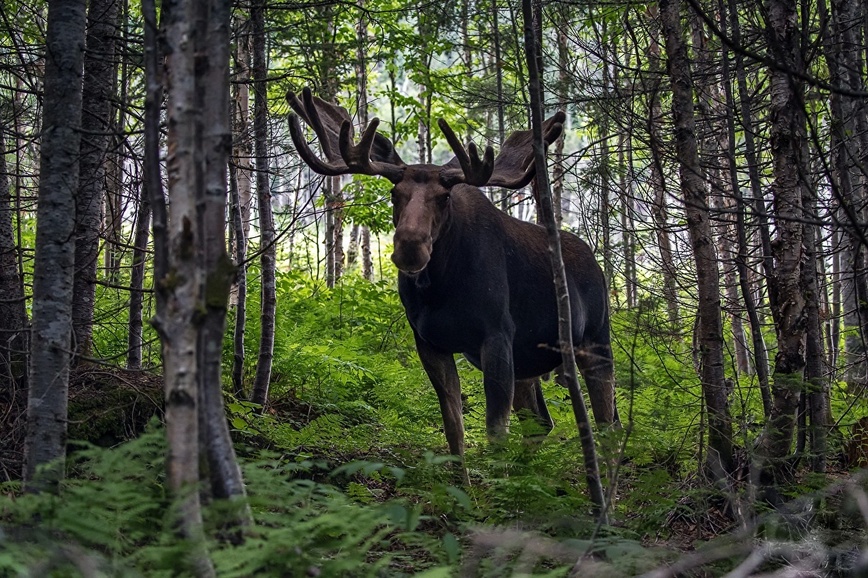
x=472, y=279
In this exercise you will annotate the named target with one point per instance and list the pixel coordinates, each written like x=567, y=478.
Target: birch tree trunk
x=218, y=268
x=263, y=194
x=151, y=186
x=45, y=441
x=364, y=233
x=240, y=184
x=842, y=55
x=181, y=282
x=242, y=151
x=710, y=338
x=240, y=286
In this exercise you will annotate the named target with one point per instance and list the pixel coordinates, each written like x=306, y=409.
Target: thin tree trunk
x=628, y=225
x=814, y=357
x=562, y=91
x=137, y=281
x=842, y=56
x=534, y=58
x=266, y=221
x=498, y=78
x=242, y=150
x=353, y=248
x=181, y=287
x=720, y=458
x=240, y=183
x=151, y=186
x=338, y=216
x=750, y=154
x=218, y=268
x=329, y=241
x=760, y=353
x=658, y=182
x=786, y=138
x=364, y=234
x=240, y=286
x=367, y=260
x=13, y=314
x=96, y=124
x=45, y=442
x=115, y=160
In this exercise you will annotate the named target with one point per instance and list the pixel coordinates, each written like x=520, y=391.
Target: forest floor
x=665, y=512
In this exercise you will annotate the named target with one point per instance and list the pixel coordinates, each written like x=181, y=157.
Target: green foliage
x=114, y=517
x=369, y=204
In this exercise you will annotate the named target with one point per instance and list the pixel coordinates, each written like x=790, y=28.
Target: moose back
x=472, y=279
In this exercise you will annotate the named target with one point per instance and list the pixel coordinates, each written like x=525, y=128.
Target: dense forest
x=206, y=367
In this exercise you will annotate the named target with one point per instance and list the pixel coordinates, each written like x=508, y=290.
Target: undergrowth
x=348, y=475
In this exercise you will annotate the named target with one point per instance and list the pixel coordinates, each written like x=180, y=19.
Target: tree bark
x=45, y=442
x=786, y=140
x=760, y=353
x=842, y=56
x=240, y=286
x=534, y=57
x=364, y=234
x=151, y=182
x=242, y=150
x=114, y=186
x=217, y=266
x=13, y=314
x=240, y=183
x=181, y=286
x=135, y=338
x=263, y=195
x=720, y=458
x=562, y=92
x=96, y=124
x=658, y=182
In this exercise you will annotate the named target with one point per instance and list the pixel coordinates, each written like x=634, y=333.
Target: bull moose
x=472, y=279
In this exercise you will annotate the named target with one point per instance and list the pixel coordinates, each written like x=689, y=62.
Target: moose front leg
x=441, y=370
x=499, y=384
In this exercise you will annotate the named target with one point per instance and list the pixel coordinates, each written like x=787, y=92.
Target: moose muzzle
x=412, y=251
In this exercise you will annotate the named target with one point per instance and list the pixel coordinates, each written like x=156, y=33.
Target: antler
x=374, y=154
x=512, y=169
x=474, y=171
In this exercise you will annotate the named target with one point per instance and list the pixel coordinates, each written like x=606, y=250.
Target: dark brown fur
x=485, y=290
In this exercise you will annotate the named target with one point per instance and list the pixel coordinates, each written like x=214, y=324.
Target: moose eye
x=443, y=199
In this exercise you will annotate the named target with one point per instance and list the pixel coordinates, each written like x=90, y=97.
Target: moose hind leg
x=530, y=406
x=441, y=370
x=598, y=371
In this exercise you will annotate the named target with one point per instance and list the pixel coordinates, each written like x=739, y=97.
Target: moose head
x=422, y=195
